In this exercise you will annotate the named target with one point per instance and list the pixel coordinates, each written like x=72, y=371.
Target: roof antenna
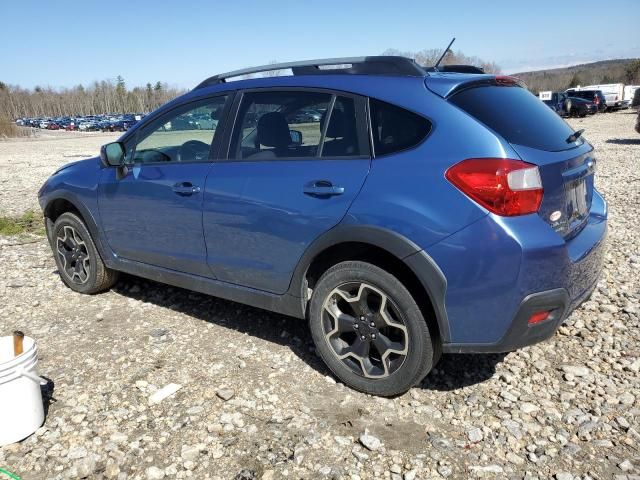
x=435, y=67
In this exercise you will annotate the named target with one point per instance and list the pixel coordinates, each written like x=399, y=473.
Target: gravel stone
x=475, y=435
x=164, y=392
x=626, y=466
x=155, y=473
x=576, y=371
x=370, y=442
x=225, y=394
x=77, y=452
x=563, y=476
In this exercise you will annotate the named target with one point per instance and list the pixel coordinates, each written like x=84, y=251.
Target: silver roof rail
x=372, y=65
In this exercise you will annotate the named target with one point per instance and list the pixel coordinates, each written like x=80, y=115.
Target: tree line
x=429, y=56
x=102, y=97
x=597, y=73
x=109, y=96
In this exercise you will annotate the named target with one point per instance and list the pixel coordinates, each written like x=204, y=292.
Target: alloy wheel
x=365, y=329
x=73, y=254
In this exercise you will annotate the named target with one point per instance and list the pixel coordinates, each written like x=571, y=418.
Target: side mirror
x=112, y=154
x=296, y=137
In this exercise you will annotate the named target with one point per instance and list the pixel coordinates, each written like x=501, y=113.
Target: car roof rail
x=372, y=65
x=455, y=69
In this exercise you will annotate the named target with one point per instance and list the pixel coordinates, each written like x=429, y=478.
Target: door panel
x=258, y=220
x=154, y=216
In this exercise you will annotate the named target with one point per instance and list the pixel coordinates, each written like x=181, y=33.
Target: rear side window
x=276, y=125
x=395, y=129
x=517, y=115
x=341, y=135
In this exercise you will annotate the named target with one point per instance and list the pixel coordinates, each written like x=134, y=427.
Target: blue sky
x=64, y=43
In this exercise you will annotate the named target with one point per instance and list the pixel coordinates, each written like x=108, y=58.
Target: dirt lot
x=255, y=402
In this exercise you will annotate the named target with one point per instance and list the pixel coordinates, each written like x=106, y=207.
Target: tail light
x=503, y=186
x=538, y=317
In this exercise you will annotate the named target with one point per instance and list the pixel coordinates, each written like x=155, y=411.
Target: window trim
x=360, y=103
x=216, y=142
x=417, y=145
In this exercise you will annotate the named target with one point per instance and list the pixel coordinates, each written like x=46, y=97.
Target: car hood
x=71, y=164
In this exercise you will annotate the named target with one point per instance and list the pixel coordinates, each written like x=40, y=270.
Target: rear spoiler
x=455, y=69
x=446, y=86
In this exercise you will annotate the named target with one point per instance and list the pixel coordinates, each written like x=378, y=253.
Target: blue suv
x=409, y=217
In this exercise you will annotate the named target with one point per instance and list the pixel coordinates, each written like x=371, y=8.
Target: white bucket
x=21, y=410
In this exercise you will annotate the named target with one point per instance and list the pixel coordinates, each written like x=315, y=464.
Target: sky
x=65, y=43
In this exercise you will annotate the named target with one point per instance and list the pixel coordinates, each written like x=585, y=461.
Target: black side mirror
x=296, y=137
x=112, y=154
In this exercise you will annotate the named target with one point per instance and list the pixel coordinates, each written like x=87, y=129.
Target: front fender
x=76, y=186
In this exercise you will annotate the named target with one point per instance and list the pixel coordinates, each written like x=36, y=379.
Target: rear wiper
x=575, y=136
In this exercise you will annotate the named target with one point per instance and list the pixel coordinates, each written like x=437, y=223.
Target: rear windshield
x=517, y=115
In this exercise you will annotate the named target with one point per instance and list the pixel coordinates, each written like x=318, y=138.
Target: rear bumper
x=501, y=271
x=520, y=333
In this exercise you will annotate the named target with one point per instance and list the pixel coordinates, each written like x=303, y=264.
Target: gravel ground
x=255, y=402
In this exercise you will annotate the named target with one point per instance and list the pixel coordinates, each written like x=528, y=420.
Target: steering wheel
x=193, y=151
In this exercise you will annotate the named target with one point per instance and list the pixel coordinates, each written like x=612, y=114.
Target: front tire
x=79, y=264
x=369, y=330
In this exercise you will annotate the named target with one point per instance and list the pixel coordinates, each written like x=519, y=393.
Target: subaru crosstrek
x=426, y=211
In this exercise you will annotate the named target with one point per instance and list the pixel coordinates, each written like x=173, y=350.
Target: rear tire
x=369, y=330
x=79, y=264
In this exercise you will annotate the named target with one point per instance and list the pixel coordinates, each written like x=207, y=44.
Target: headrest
x=273, y=130
x=337, y=125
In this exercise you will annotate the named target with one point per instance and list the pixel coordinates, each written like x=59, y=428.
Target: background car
x=594, y=96
x=579, y=107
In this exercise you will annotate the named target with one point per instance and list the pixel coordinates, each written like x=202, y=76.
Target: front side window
x=184, y=135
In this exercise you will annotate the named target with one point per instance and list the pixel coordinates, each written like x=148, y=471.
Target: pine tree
x=575, y=81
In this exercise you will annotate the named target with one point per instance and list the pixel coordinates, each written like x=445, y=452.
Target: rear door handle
x=185, y=189
x=322, y=188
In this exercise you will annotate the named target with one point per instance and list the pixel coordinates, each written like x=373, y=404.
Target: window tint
x=396, y=129
x=185, y=135
x=279, y=125
x=516, y=115
x=341, y=137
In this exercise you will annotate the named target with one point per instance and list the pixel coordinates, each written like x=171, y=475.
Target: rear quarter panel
x=407, y=192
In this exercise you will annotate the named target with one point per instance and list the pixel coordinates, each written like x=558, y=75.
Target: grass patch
x=28, y=222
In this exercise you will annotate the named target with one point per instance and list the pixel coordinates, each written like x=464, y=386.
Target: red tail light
x=503, y=186
x=538, y=317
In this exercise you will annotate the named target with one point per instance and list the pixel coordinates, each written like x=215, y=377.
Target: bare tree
x=98, y=98
x=429, y=56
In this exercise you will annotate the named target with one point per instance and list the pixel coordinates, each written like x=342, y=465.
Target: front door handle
x=185, y=189
x=322, y=188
